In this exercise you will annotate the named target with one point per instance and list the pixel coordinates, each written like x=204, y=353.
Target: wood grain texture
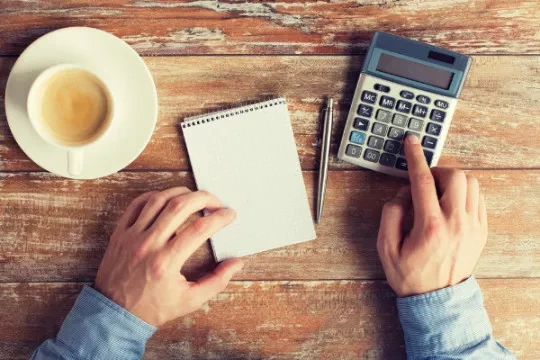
x=495, y=124
x=276, y=320
x=161, y=27
x=57, y=230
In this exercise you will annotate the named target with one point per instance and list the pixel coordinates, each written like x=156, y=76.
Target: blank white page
x=247, y=157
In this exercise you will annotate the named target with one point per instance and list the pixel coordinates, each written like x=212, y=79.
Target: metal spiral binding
x=232, y=111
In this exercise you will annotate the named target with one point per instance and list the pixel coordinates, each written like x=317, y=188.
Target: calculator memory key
x=387, y=102
x=403, y=106
x=420, y=111
x=369, y=97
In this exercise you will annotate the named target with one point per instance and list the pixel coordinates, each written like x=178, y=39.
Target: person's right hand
x=141, y=267
x=448, y=231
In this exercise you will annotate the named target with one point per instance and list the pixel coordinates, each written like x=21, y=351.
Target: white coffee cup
x=75, y=153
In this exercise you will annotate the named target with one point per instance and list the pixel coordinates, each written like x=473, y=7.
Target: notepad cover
x=247, y=157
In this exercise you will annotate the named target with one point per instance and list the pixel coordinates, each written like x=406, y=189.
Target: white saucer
x=130, y=82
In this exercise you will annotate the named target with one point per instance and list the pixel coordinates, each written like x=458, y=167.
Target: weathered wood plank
x=276, y=320
x=279, y=27
x=57, y=230
x=495, y=125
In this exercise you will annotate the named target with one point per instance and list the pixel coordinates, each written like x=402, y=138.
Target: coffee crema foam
x=75, y=107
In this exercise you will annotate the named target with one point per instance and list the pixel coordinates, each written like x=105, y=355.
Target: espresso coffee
x=75, y=107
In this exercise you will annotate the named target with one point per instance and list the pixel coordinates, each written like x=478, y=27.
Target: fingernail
x=412, y=139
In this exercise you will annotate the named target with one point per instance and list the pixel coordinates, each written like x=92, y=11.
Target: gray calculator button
x=375, y=142
x=434, y=129
x=361, y=124
x=403, y=106
x=437, y=115
x=369, y=97
x=387, y=102
x=412, y=133
x=379, y=129
x=429, y=142
x=391, y=146
x=396, y=133
x=383, y=115
x=415, y=124
x=419, y=110
x=441, y=104
x=353, y=150
x=423, y=99
x=365, y=110
x=399, y=120
x=371, y=155
x=387, y=160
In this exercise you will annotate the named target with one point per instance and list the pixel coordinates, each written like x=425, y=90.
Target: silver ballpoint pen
x=325, y=153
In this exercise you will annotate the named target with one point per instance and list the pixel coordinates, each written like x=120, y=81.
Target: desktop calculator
x=405, y=88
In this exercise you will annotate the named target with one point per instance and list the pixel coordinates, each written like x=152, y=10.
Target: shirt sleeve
x=95, y=329
x=449, y=323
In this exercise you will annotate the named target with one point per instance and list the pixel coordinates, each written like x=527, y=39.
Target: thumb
x=392, y=220
x=210, y=285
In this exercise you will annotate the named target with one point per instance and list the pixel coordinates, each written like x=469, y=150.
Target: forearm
x=97, y=328
x=450, y=323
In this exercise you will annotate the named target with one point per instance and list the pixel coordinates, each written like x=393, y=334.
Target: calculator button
x=383, y=115
x=441, y=104
x=365, y=110
x=437, y=115
x=406, y=94
x=399, y=120
x=423, y=99
x=369, y=97
x=419, y=110
x=375, y=142
x=361, y=124
x=412, y=133
x=382, y=88
x=387, y=160
x=403, y=106
x=429, y=156
x=415, y=124
x=391, y=146
x=387, y=102
x=371, y=155
x=396, y=133
x=357, y=137
x=353, y=150
x=379, y=129
x=434, y=129
x=429, y=142
x=401, y=164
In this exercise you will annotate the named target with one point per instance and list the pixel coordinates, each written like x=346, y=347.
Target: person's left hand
x=141, y=267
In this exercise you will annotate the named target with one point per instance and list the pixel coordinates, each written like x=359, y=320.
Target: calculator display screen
x=414, y=71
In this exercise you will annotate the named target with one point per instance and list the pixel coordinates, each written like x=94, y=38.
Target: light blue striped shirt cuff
x=449, y=323
x=98, y=328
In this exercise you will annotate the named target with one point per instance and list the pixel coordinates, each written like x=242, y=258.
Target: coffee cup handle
x=75, y=161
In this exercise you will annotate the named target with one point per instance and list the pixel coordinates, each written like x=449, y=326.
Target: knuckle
x=433, y=226
x=177, y=204
x=199, y=225
x=157, y=199
x=140, y=253
x=158, y=268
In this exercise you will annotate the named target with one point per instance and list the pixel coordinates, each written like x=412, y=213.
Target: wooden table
x=325, y=299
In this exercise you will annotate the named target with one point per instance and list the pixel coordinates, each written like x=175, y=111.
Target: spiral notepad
x=247, y=157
